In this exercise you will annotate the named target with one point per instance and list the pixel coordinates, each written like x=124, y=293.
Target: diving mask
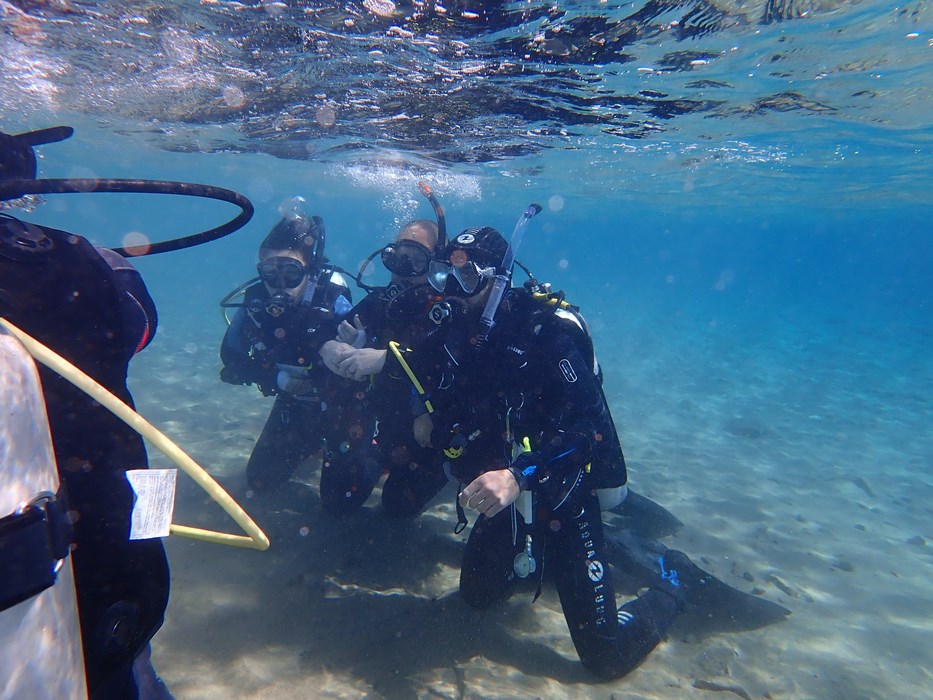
x=282, y=272
x=469, y=276
x=406, y=258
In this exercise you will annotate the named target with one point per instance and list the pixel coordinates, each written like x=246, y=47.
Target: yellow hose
x=256, y=538
x=394, y=347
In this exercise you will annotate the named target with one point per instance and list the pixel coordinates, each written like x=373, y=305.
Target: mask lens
x=466, y=277
x=406, y=258
x=281, y=272
x=469, y=276
x=438, y=272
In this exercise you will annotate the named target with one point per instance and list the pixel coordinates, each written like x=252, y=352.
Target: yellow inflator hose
x=256, y=538
x=394, y=347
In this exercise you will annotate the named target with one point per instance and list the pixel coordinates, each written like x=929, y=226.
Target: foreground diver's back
x=94, y=310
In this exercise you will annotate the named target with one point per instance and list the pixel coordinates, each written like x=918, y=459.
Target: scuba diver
x=287, y=313
x=92, y=307
x=409, y=311
x=513, y=397
x=402, y=309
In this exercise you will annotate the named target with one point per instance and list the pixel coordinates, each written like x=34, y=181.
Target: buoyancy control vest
x=542, y=314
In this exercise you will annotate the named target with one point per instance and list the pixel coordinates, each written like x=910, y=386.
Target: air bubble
x=326, y=116
x=136, y=243
x=234, y=97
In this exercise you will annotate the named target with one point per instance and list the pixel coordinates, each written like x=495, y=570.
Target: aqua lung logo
x=594, y=569
x=466, y=238
x=567, y=370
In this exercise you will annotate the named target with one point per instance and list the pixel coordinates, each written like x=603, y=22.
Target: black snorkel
x=503, y=279
x=441, y=219
x=18, y=178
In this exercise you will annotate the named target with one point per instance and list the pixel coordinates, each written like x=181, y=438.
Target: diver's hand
x=490, y=493
x=354, y=335
x=361, y=363
x=422, y=428
x=294, y=380
x=232, y=375
x=332, y=353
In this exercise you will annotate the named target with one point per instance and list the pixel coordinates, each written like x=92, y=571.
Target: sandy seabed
x=799, y=458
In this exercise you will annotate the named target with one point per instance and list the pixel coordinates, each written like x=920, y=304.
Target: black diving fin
x=644, y=517
x=711, y=605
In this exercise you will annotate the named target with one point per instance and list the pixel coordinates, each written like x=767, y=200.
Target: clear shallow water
x=745, y=222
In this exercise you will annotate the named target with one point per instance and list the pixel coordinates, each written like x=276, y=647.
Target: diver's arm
x=241, y=363
x=238, y=366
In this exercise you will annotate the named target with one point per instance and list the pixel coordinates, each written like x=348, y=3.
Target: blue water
x=748, y=235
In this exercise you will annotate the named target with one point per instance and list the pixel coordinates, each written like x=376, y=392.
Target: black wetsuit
x=415, y=473
x=329, y=413
x=533, y=379
x=91, y=307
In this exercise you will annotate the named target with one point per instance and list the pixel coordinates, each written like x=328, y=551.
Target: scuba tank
x=40, y=639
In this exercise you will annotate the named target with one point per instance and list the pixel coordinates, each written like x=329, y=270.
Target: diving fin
x=709, y=604
x=644, y=517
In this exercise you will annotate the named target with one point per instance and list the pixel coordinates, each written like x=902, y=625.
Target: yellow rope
x=256, y=538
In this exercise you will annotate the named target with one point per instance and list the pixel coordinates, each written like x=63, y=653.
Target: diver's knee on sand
x=642, y=625
x=347, y=480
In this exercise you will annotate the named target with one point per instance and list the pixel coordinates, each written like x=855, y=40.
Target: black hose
x=12, y=189
x=441, y=218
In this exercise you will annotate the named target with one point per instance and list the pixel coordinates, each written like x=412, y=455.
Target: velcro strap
x=33, y=541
